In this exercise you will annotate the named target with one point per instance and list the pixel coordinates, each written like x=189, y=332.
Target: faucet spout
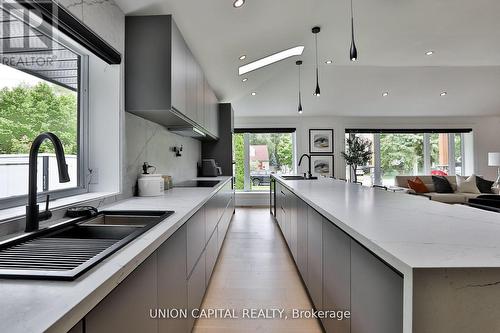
x=309, y=174
x=32, y=211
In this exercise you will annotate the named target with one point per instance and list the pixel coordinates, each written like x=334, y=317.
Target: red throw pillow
x=417, y=185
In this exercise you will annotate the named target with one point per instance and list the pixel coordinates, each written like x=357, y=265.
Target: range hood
x=177, y=123
x=188, y=131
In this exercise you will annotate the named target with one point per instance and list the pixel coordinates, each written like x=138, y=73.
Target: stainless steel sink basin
x=95, y=232
x=121, y=218
x=67, y=250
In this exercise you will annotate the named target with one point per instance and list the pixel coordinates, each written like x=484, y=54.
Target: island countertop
x=407, y=231
x=55, y=306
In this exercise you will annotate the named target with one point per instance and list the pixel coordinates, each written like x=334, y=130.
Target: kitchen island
x=167, y=266
x=400, y=263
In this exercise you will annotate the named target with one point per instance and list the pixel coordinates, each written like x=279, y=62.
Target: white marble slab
x=55, y=306
x=406, y=231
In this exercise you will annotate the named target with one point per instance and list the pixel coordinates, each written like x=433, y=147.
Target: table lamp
x=494, y=161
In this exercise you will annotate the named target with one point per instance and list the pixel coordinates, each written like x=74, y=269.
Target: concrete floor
x=255, y=270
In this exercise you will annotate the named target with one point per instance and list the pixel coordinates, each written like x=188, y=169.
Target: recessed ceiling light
x=429, y=53
x=243, y=57
x=444, y=93
x=238, y=3
x=245, y=79
x=385, y=94
x=254, y=93
x=328, y=62
x=294, y=51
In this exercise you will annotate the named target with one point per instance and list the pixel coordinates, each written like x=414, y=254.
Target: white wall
x=485, y=133
x=150, y=142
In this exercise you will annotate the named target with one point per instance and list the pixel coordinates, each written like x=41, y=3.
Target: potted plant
x=358, y=153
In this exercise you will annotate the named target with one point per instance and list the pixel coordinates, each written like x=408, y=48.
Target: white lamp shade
x=494, y=159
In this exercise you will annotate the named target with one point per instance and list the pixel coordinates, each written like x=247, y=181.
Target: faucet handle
x=47, y=214
x=47, y=203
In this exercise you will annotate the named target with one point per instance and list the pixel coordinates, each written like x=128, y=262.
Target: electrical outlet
x=94, y=176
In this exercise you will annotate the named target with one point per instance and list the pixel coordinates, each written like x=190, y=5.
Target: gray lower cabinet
x=172, y=282
x=78, y=328
x=224, y=223
x=376, y=294
x=314, y=279
x=292, y=207
x=336, y=276
x=212, y=214
x=302, y=237
x=126, y=308
x=286, y=215
x=196, y=287
x=211, y=252
x=196, y=238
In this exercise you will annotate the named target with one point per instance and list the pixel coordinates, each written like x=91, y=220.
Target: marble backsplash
x=146, y=141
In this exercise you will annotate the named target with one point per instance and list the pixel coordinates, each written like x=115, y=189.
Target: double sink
x=67, y=250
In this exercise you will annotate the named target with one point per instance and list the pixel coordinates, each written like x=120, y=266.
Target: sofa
x=401, y=182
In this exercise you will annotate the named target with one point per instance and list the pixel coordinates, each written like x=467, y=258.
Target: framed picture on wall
x=322, y=166
x=321, y=141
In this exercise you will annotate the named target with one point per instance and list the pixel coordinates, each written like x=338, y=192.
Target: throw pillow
x=442, y=184
x=467, y=185
x=484, y=185
x=417, y=185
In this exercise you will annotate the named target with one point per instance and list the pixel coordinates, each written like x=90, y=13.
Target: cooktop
x=198, y=183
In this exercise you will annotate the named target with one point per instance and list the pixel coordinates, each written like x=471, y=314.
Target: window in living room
x=406, y=152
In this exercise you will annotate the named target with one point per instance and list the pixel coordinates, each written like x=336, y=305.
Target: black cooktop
x=198, y=183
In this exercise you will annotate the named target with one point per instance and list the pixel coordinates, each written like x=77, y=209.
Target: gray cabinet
x=212, y=214
x=376, y=294
x=172, y=282
x=126, y=308
x=196, y=288
x=336, y=275
x=191, y=86
x=314, y=279
x=224, y=223
x=302, y=237
x=196, y=238
x=179, y=70
x=78, y=328
x=211, y=253
x=292, y=208
x=164, y=83
x=200, y=96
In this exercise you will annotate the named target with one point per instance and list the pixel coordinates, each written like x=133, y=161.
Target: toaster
x=209, y=168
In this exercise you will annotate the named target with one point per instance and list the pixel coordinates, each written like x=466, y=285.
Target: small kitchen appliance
x=209, y=168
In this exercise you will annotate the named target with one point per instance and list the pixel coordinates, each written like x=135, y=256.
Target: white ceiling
x=392, y=38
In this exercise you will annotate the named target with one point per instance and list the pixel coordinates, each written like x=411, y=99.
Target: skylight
x=294, y=51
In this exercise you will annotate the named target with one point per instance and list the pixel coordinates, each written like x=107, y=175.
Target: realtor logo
x=27, y=27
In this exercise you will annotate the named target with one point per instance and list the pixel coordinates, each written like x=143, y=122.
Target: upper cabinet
x=163, y=81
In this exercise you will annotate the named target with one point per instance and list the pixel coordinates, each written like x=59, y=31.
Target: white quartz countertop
x=406, y=231
x=55, y=306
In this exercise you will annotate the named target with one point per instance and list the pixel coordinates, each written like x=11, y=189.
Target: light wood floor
x=255, y=270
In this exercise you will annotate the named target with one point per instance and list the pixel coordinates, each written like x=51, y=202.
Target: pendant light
x=299, y=63
x=316, y=31
x=353, y=52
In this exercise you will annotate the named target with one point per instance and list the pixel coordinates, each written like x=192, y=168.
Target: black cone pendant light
x=299, y=63
x=316, y=31
x=353, y=54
